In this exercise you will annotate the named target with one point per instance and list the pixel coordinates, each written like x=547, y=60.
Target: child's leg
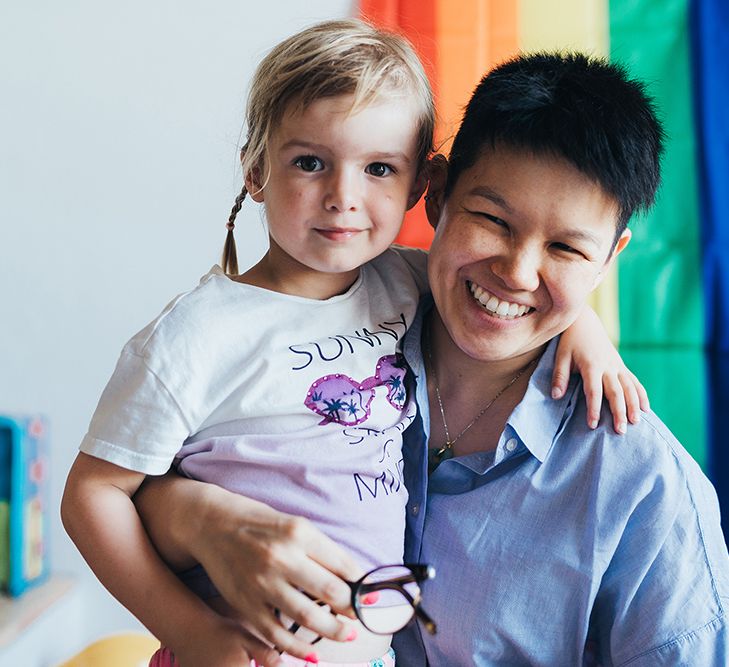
x=163, y=657
x=387, y=660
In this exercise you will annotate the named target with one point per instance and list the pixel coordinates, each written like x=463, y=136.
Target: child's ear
x=416, y=192
x=437, y=172
x=254, y=185
x=252, y=179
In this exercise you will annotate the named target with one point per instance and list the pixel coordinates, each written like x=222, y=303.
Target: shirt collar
x=538, y=419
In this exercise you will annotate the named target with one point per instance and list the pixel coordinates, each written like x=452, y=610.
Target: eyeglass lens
x=385, y=597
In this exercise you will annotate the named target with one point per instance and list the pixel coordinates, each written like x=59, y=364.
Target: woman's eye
x=495, y=219
x=378, y=169
x=309, y=163
x=566, y=248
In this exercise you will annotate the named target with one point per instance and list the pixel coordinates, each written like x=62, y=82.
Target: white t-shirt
x=295, y=402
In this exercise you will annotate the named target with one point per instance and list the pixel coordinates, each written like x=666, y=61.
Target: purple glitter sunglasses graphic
x=341, y=400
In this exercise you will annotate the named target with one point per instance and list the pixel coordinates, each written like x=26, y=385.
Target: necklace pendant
x=445, y=452
x=436, y=456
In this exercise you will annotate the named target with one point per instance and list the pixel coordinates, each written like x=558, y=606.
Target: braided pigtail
x=230, y=256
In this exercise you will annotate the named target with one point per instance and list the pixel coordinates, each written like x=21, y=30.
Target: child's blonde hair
x=342, y=57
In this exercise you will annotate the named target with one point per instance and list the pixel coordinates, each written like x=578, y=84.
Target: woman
x=554, y=543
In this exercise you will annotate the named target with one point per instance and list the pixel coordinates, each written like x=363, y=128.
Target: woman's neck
x=462, y=389
x=456, y=371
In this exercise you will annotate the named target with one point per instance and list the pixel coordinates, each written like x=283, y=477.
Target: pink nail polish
x=370, y=598
x=351, y=636
x=313, y=658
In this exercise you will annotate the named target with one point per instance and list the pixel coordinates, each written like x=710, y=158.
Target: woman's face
x=520, y=242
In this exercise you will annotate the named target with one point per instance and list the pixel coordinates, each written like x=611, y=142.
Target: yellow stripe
x=578, y=25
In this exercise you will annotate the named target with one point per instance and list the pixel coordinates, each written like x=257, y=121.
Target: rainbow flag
x=667, y=301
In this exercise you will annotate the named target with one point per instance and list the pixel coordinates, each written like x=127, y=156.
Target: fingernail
x=370, y=598
x=593, y=423
x=351, y=636
x=556, y=392
x=622, y=428
x=312, y=657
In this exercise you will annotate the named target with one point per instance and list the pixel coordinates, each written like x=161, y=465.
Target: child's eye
x=378, y=169
x=309, y=163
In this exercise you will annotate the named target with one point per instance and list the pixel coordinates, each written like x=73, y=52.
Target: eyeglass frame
x=419, y=573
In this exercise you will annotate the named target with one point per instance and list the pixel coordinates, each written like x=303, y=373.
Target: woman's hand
x=586, y=348
x=258, y=559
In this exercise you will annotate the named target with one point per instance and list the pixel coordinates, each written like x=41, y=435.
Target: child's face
x=338, y=189
x=520, y=243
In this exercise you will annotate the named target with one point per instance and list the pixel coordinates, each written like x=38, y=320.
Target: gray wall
x=119, y=129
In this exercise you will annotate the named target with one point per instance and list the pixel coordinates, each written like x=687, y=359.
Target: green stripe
x=660, y=295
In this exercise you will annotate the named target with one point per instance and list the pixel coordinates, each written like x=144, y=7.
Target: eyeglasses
x=384, y=600
x=387, y=598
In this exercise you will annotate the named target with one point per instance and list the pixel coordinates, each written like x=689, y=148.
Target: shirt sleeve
x=137, y=424
x=704, y=647
x=662, y=599
x=417, y=262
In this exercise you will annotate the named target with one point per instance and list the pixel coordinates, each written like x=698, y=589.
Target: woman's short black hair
x=583, y=109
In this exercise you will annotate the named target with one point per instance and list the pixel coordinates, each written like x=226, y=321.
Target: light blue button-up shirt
x=565, y=538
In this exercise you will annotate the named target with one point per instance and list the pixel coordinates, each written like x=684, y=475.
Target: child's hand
x=586, y=348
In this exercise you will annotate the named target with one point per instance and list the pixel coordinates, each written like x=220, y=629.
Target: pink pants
x=165, y=658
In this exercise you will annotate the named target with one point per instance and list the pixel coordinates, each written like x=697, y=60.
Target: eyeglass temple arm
x=426, y=620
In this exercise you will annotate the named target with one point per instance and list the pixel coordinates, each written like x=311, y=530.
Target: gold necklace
x=436, y=455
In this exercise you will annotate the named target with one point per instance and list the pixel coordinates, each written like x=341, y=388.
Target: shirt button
x=511, y=444
x=415, y=509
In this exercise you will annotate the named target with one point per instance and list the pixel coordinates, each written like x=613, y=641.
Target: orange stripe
x=379, y=12
x=504, y=23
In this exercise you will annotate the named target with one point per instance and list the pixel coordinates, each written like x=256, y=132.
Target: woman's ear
x=620, y=245
x=437, y=172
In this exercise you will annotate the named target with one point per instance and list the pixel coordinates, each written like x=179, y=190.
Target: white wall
x=119, y=128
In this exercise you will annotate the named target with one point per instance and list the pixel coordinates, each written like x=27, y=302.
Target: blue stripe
x=710, y=45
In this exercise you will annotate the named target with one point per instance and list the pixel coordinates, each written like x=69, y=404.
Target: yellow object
x=570, y=25
x=132, y=649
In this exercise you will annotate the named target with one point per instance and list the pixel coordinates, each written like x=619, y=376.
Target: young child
x=283, y=383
